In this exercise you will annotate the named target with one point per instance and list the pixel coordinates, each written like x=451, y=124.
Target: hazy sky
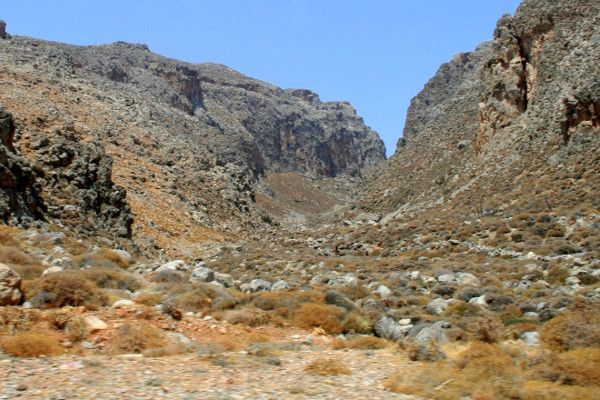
x=377, y=54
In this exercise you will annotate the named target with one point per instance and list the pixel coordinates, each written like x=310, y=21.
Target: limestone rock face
x=525, y=104
x=190, y=142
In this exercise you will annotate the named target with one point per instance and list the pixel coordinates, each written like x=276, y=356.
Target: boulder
x=335, y=298
x=388, y=328
x=175, y=265
x=437, y=306
x=94, y=324
x=10, y=287
x=224, y=279
x=383, y=291
x=435, y=333
x=280, y=285
x=202, y=274
x=258, y=285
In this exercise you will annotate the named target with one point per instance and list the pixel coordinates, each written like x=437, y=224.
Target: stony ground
x=233, y=375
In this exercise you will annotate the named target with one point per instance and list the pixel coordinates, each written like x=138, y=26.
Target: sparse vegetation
x=31, y=344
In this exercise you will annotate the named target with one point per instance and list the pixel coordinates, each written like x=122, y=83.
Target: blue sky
x=376, y=54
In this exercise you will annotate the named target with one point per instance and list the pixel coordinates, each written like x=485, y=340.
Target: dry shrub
x=102, y=258
x=540, y=390
x=114, y=257
x=580, y=367
x=14, y=255
x=488, y=330
x=482, y=371
x=108, y=278
x=73, y=325
x=65, y=289
x=7, y=236
x=284, y=304
x=572, y=330
x=30, y=344
x=29, y=271
x=139, y=336
x=16, y=319
x=360, y=342
x=327, y=367
x=312, y=315
x=247, y=316
x=148, y=299
x=357, y=323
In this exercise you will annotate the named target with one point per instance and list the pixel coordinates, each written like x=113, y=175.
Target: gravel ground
x=222, y=376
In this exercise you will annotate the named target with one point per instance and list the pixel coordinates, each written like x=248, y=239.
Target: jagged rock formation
x=19, y=194
x=65, y=179
x=3, y=34
x=512, y=124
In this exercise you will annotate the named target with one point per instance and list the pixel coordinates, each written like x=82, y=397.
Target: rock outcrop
x=3, y=34
x=63, y=179
x=19, y=194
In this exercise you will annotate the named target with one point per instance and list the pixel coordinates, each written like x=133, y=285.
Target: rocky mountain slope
x=468, y=267
x=188, y=142
x=510, y=128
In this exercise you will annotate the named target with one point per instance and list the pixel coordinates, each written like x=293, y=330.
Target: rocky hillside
x=189, y=142
x=510, y=127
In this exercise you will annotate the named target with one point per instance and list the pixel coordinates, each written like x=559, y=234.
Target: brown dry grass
x=65, y=289
x=30, y=344
x=14, y=255
x=572, y=330
x=482, y=371
x=138, y=336
x=327, y=367
x=313, y=315
x=360, y=342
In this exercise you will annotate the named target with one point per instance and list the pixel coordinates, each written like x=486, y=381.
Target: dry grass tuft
x=572, y=330
x=138, y=337
x=64, y=289
x=30, y=344
x=313, y=315
x=327, y=367
x=14, y=255
x=482, y=371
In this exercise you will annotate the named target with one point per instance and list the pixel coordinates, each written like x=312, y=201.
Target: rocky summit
x=181, y=230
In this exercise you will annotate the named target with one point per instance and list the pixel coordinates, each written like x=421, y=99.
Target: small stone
x=123, y=303
x=572, y=280
x=531, y=316
x=94, y=324
x=88, y=345
x=52, y=270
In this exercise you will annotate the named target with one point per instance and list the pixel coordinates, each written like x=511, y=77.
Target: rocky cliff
x=189, y=142
x=512, y=125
